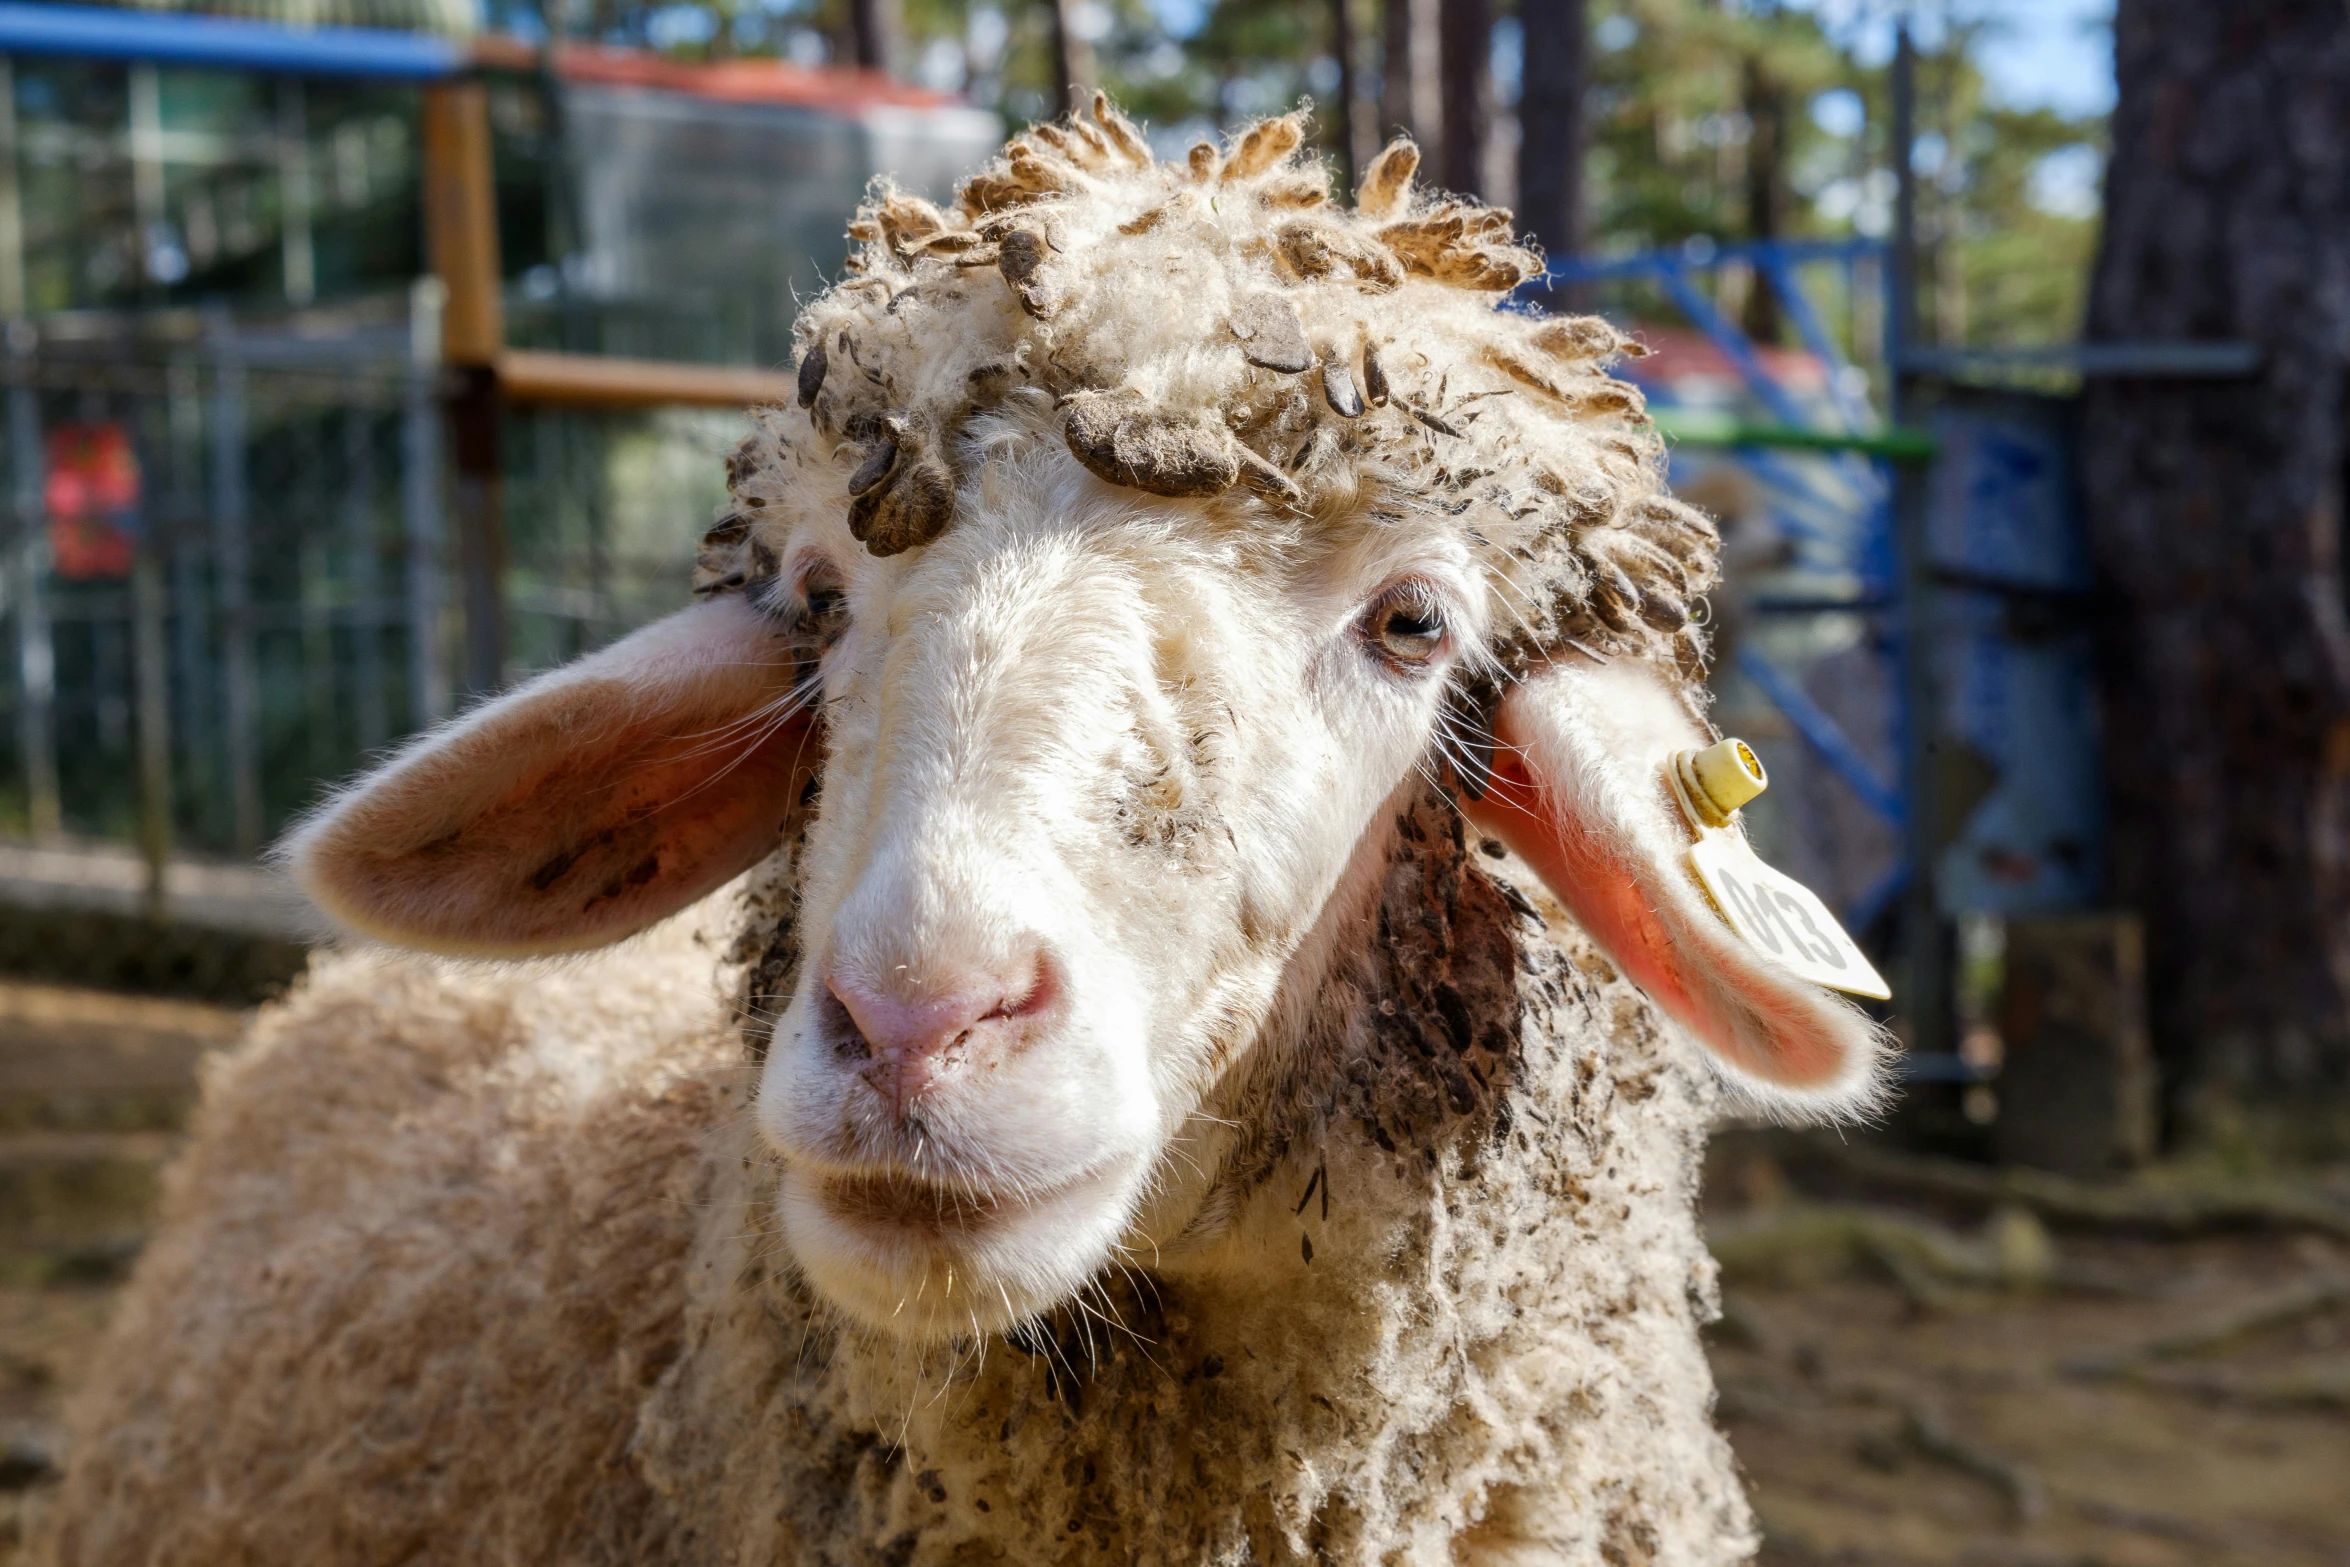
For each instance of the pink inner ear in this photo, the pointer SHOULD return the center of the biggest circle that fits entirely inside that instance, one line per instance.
(1577, 794)
(1596, 886)
(580, 809)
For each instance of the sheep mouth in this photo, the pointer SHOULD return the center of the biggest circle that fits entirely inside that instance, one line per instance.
(926, 1259)
(908, 1204)
(896, 1200)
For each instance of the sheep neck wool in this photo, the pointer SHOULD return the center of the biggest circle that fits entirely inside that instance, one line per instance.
(524, 1299)
(478, 1265)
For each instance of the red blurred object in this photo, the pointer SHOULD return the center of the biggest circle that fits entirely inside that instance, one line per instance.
(92, 497)
(740, 80)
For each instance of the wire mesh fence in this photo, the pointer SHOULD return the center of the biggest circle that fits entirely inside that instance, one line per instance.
(229, 575)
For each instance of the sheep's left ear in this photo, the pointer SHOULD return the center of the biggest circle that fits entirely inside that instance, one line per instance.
(1579, 791)
(579, 808)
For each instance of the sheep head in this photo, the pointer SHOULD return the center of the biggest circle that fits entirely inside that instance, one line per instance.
(1140, 536)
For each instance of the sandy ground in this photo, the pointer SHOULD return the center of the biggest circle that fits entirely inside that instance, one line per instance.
(2016, 1426)
(1906, 1382)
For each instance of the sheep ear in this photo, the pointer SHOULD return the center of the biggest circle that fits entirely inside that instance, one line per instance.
(581, 807)
(1579, 792)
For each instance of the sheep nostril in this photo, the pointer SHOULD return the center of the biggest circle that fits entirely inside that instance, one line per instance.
(1043, 990)
(840, 1028)
(905, 1038)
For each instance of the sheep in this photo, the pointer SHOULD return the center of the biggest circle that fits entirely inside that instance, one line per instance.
(1120, 988)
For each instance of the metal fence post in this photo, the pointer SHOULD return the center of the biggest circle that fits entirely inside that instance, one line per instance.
(298, 262)
(36, 651)
(368, 711)
(154, 724)
(232, 584)
(184, 386)
(12, 293)
(420, 508)
(1926, 995)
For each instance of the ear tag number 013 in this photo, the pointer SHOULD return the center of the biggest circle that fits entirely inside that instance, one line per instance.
(1774, 913)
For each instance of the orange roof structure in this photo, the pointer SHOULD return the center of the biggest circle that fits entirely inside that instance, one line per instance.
(841, 89)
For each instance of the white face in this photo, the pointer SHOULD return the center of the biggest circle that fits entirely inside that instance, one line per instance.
(1095, 767)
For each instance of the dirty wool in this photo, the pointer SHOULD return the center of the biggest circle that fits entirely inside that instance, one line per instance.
(475, 1263)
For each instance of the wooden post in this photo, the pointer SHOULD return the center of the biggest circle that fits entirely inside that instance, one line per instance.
(462, 221)
(2076, 1080)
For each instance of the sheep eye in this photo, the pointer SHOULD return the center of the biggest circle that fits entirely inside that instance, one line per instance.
(824, 603)
(1406, 625)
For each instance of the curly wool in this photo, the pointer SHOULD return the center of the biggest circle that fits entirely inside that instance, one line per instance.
(1218, 331)
(481, 1266)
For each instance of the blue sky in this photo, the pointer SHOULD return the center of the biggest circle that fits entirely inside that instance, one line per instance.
(2052, 53)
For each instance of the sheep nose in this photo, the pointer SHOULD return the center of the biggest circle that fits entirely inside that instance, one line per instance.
(911, 1041)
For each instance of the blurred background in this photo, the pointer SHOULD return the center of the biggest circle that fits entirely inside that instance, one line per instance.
(360, 357)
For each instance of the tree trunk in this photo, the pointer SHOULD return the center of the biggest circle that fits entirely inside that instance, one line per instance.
(874, 26)
(1073, 67)
(1468, 93)
(1766, 189)
(1356, 134)
(1550, 125)
(1410, 86)
(2216, 516)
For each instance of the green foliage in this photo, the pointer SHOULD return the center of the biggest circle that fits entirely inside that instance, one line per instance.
(1676, 90)
(1673, 82)
(1733, 119)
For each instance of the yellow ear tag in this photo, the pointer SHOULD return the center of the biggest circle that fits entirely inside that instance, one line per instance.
(1776, 914)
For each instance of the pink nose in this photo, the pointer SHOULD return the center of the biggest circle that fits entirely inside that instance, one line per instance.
(910, 1042)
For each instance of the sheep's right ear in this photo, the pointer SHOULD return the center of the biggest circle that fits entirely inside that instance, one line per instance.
(1578, 791)
(581, 807)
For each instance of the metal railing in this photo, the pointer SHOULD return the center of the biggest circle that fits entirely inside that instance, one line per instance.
(228, 572)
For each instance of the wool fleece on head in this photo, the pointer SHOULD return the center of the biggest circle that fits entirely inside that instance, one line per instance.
(1133, 992)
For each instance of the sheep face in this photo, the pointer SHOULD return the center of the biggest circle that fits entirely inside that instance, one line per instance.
(1136, 531)
(1096, 764)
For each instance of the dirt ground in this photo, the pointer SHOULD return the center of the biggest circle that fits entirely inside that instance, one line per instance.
(1916, 1370)
(1905, 1387)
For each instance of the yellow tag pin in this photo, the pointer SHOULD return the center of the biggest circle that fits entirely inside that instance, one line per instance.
(1774, 913)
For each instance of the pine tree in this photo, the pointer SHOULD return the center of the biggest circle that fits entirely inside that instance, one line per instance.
(2216, 509)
